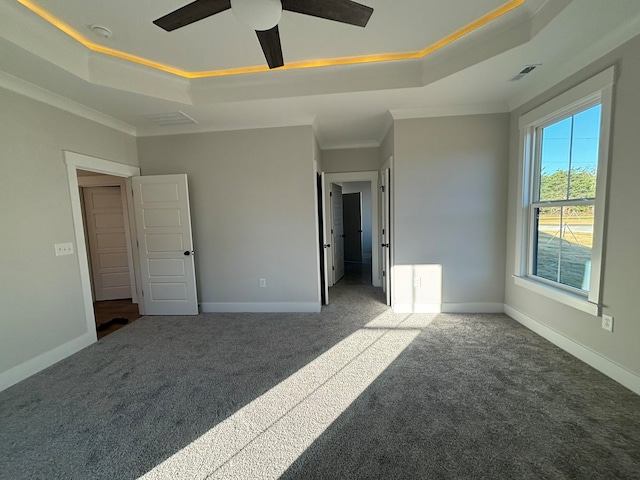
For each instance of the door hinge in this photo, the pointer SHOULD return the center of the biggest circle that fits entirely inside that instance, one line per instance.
(332, 231)
(382, 188)
(142, 292)
(333, 268)
(137, 243)
(331, 194)
(383, 273)
(383, 231)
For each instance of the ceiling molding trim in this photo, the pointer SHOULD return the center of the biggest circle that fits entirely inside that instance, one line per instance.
(447, 40)
(348, 146)
(21, 87)
(551, 75)
(449, 111)
(30, 33)
(157, 131)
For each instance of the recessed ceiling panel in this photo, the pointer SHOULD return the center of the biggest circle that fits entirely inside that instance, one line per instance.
(221, 42)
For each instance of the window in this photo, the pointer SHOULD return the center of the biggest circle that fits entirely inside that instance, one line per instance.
(564, 168)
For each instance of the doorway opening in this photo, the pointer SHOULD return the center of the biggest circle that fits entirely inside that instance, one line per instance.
(356, 214)
(350, 230)
(103, 202)
(120, 174)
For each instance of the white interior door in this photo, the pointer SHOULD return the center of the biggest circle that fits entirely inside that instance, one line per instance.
(386, 233)
(163, 223)
(337, 232)
(105, 222)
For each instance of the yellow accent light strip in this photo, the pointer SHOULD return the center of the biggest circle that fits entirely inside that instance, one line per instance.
(476, 24)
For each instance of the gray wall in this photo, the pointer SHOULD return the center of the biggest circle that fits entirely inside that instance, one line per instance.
(253, 210)
(351, 160)
(40, 295)
(365, 189)
(449, 192)
(621, 252)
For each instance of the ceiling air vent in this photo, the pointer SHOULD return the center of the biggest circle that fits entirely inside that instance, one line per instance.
(527, 69)
(171, 118)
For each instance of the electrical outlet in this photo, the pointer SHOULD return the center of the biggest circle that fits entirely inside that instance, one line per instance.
(263, 282)
(607, 322)
(63, 249)
(417, 281)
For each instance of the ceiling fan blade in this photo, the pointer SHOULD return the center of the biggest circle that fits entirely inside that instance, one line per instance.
(270, 43)
(344, 11)
(192, 13)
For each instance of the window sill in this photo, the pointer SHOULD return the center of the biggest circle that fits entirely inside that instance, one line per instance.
(558, 295)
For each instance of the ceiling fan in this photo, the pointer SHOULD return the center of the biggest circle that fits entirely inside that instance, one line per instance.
(263, 16)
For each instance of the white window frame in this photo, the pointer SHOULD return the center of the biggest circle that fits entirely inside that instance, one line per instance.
(596, 90)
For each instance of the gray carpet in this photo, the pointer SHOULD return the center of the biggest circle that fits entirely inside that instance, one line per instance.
(473, 396)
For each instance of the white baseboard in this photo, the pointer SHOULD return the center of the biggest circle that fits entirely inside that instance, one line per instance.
(417, 307)
(476, 307)
(590, 357)
(488, 307)
(35, 365)
(268, 307)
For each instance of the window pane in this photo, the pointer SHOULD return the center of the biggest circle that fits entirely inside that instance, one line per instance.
(554, 160)
(584, 153)
(562, 245)
(547, 243)
(577, 240)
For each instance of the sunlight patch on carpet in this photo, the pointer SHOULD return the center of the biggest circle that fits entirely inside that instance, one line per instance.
(262, 439)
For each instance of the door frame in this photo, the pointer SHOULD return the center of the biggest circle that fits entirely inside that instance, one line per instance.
(77, 161)
(389, 164)
(373, 178)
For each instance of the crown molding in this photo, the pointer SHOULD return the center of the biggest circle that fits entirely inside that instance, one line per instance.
(21, 87)
(157, 131)
(560, 71)
(449, 111)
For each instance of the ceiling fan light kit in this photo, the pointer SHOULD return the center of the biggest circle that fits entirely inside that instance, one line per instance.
(260, 15)
(264, 15)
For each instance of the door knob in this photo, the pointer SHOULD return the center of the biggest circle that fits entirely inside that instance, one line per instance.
(189, 252)
(327, 245)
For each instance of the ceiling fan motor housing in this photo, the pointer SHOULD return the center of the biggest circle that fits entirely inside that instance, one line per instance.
(260, 15)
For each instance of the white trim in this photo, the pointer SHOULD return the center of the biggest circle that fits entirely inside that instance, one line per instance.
(471, 307)
(344, 146)
(40, 94)
(594, 90)
(93, 164)
(75, 161)
(449, 111)
(261, 307)
(599, 231)
(45, 360)
(582, 94)
(568, 66)
(594, 359)
(561, 296)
